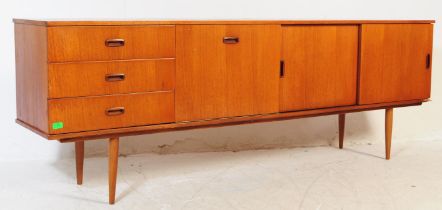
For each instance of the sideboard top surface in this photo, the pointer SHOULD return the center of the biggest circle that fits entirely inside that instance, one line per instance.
(68, 22)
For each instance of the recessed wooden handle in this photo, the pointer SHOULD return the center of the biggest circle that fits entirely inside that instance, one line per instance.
(114, 77)
(230, 40)
(114, 111)
(428, 61)
(114, 42)
(281, 68)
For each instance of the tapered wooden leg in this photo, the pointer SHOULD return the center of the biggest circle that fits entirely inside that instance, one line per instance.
(341, 130)
(388, 131)
(113, 166)
(79, 159)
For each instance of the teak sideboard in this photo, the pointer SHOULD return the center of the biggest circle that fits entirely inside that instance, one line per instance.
(83, 80)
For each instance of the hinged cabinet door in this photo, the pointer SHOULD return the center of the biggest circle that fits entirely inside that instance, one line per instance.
(395, 62)
(226, 70)
(320, 67)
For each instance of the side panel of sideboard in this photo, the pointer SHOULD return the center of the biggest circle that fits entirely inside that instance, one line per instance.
(31, 75)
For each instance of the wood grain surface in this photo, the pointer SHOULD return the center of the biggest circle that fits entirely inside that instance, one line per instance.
(89, 113)
(393, 62)
(79, 43)
(31, 75)
(320, 67)
(139, 76)
(214, 79)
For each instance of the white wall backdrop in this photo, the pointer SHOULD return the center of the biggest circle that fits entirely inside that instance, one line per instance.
(411, 124)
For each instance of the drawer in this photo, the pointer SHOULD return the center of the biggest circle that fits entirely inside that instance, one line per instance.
(99, 43)
(104, 112)
(104, 78)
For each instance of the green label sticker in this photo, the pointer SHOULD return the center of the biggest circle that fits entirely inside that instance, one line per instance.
(57, 125)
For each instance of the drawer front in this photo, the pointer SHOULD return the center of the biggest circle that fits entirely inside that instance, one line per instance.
(110, 43)
(104, 78)
(104, 112)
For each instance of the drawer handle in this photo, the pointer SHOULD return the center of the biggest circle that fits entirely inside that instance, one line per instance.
(230, 40)
(114, 77)
(115, 111)
(114, 42)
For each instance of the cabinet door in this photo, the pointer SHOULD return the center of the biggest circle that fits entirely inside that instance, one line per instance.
(395, 62)
(221, 77)
(320, 67)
